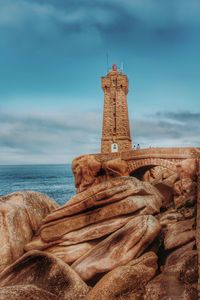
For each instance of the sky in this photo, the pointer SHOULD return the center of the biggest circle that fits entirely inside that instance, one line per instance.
(53, 54)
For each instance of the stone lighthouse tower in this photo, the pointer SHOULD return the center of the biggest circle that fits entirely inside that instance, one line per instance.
(116, 131)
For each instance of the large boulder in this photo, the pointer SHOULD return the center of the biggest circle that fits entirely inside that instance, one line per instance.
(21, 214)
(159, 174)
(85, 169)
(172, 216)
(178, 279)
(178, 227)
(87, 233)
(44, 275)
(24, 292)
(179, 233)
(127, 281)
(71, 253)
(115, 168)
(187, 168)
(89, 171)
(119, 248)
(91, 216)
(134, 204)
(185, 192)
(107, 200)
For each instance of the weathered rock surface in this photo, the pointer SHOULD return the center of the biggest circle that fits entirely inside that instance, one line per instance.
(85, 169)
(178, 279)
(187, 168)
(159, 174)
(42, 274)
(175, 259)
(71, 253)
(178, 229)
(103, 231)
(114, 198)
(163, 179)
(119, 248)
(21, 214)
(127, 281)
(185, 192)
(179, 233)
(25, 292)
(88, 233)
(133, 204)
(88, 171)
(172, 216)
(115, 168)
(90, 217)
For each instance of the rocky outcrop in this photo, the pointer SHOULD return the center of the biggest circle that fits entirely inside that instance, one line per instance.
(187, 168)
(172, 216)
(110, 199)
(185, 191)
(111, 234)
(159, 174)
(85, 169)
(179, 233)
(25, 292)
(127, 281)
(133, 204)
(71, 253)
(88, 233)
(111, 222)
(44, 275)
(178, 279)
(88, 171)
(119, 248)
(115, 168)
(21, 214)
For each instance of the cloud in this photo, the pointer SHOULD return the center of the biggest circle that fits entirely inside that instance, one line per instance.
(45, 16)
(184, 116)
(46, 37)
(180, 129)
(58, 138)
(159, 19)
(53, 138)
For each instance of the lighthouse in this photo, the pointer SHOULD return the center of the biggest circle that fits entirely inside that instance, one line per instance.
(116, 130)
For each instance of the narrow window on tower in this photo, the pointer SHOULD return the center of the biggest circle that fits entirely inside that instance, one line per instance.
(114, 116)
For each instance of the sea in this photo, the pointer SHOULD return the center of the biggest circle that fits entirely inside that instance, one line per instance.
(56, 181)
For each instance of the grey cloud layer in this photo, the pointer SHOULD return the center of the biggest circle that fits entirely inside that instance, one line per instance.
(46, 43)
(188, 117)
(37, 138)
(169, 129)
(101, 19)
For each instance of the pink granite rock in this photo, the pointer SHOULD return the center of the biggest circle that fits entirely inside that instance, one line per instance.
(179, 233)
(119, 248)
(178, 279)
(21, 214)
(43, 274)
(127, 281)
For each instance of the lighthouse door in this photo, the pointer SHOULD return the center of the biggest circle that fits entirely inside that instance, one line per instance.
(114, 147)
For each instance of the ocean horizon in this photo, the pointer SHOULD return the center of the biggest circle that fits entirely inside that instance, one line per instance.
(54, 180)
